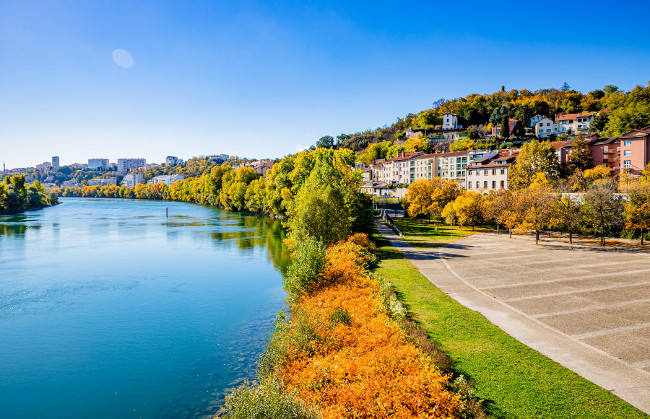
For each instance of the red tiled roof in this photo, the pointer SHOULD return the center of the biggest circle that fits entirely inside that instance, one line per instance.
(565, 117)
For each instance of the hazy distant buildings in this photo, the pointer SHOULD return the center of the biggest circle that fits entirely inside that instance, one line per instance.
(130, 164)
(173, 161)
(168, 179)
(102, 182)
(219, 158)
(131, 180)
(98, 164)
(44, 167)
(55, 162)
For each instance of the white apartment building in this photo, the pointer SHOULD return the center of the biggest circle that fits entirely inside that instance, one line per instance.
(98, 164)
(449, 121)
(545, 127)
(55, 162)
(131, 180)
(130, 164)
(535, 119)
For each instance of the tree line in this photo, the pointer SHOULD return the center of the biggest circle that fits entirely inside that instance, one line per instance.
(599, 209)
(17, 196)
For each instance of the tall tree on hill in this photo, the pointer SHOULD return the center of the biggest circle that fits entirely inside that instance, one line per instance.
(519, 131)
(325, 142)
(505, 127)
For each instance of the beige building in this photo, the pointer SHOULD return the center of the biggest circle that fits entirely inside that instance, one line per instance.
(490, 174)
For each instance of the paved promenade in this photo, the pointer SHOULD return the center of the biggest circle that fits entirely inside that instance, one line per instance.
(586, 308)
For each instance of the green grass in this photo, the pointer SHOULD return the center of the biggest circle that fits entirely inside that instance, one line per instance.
(424, 234)
(512, 379)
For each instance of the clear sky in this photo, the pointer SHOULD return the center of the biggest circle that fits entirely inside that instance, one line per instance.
(84, 79)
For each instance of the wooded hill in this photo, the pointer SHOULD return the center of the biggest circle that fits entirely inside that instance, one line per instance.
(630, 110)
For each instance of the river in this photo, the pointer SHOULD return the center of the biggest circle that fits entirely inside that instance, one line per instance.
(111, 309)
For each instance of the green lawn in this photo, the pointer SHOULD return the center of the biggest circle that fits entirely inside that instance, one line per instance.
(514, 380)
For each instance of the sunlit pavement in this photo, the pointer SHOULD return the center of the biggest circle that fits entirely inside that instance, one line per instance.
(585, 307)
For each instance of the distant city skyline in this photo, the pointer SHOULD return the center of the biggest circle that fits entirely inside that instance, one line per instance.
(253, 79)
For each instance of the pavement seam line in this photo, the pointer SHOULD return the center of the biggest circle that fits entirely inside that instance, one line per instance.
(558, 294)
(592, 308)
(604, 332)
(553, 281)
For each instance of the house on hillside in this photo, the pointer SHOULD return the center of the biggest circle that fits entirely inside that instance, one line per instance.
(545, 127)
(575, 123)
(634, 153)
(449, 121)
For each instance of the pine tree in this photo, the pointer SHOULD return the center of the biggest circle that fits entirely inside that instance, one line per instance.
(505, 127)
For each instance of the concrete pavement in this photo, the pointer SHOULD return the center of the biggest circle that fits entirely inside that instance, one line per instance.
(587, 309)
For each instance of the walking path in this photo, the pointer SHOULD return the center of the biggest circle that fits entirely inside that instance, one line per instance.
(588, 310)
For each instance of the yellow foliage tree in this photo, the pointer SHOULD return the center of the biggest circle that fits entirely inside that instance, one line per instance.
(598, 172)
(469, 209)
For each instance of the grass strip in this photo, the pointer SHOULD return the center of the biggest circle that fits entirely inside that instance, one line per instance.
(512, 379)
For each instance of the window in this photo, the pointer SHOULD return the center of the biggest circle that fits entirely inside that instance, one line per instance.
(469, 185)
(503, 172)
(486, 172)
(485, 184)
(478, 184)
(627, 152)
(503, 184)
(627, 164)
(469, 172)
(494, 184)
(627, 142)
(494, 171)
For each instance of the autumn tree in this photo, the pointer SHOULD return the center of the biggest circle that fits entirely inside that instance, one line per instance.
(637, 209)
(497, 206)
(534, 157)
(567, 215)
(419, 198)
(602, 207)
(469, 209)
(535, 207)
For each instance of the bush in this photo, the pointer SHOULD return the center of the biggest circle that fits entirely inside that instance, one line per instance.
(306, 268)
(265, 400)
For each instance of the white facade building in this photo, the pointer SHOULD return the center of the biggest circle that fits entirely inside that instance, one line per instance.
(535, 119)
(130, 164)
(545, 127)
(55, 162)
(490, 173)
(168, 179)
(449, 121)
(98, 164)
(575, 122)
(172, 161)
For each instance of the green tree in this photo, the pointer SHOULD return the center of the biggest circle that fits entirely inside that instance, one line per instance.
(325, 142)
(534, 157)
(519, 131)
(637, 208)
(579, 159)
(505, 127)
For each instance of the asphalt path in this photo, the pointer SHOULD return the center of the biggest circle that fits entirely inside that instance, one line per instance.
(585, 307)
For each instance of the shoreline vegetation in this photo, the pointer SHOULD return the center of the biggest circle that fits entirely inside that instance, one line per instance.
(344, 348)
(16, 196)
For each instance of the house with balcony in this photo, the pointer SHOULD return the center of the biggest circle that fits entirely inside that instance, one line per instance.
(545, 127)
(634, 153)
(575, 123)
(605, 152)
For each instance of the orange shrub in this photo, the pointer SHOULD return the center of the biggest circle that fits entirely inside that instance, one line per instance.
(366, 367)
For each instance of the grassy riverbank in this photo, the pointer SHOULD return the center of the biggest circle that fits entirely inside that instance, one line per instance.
(514, 380)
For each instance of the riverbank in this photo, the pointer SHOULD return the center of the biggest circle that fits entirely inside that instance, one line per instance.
(512, 379)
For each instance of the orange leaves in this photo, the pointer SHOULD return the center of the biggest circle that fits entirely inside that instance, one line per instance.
(366, 368)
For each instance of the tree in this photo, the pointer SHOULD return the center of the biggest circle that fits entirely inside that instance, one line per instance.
(565, 87)
(579, 159)
(519, 131)
(497, 206)
(567, 215)
(534, 157)
(325, 142)
(600, 122)
(534, 205)
(602, 208)
(462, 144)
(609, 89)
(449, 215)
(417, 144)
(497, 114)
(637, 209)
(469, 209)
(419, 199)
(505, 127)
(629, 117)
(597, 173)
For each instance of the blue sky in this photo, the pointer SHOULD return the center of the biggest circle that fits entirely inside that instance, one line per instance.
(261, 79)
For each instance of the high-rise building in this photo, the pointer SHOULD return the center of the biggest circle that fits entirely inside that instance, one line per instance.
(55, 162)
(131, 180)
(129, 164)
(98, 164)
